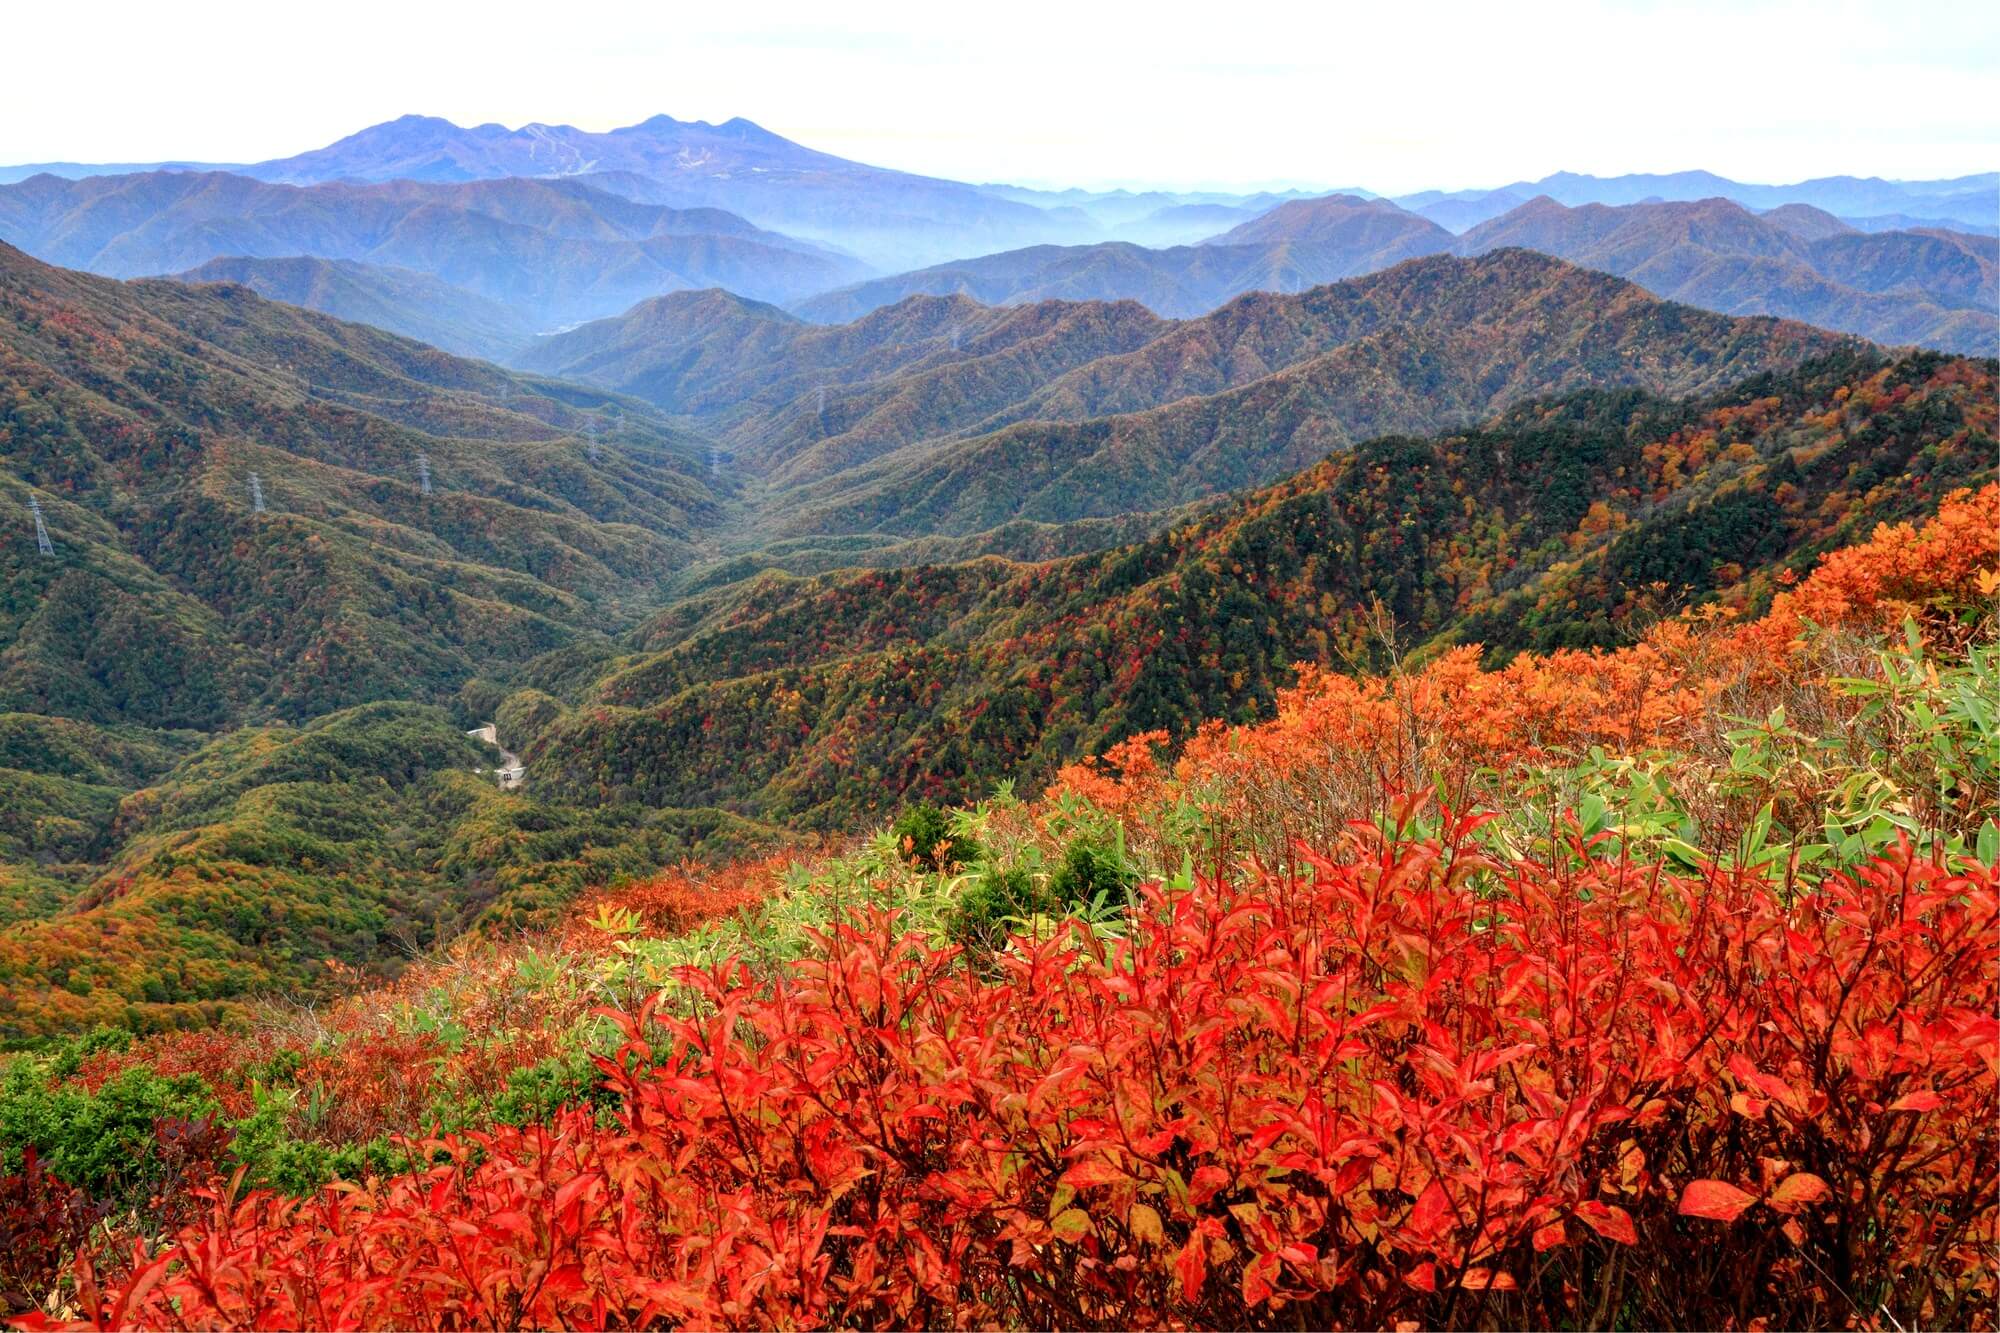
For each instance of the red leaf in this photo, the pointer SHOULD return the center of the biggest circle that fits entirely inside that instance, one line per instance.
(1715, 1199)
(1191, 1266)
(1917, 1101)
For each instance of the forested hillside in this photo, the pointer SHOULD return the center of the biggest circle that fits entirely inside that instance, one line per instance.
(136, 415)
(1565, 522)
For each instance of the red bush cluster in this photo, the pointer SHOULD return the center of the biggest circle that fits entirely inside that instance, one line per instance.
(1408, 1084)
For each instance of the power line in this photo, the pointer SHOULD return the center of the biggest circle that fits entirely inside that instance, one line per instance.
(42, 542)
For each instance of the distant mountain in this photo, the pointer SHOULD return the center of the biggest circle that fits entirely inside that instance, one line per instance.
(1294, 246)
(1806, 222)
(400, 300)
(1457, 215)
(1936, 288)
(1904, 222)
(1973, 197)
(1564, 522)
(1122, 209)
(554, 251)
(1184, 224)
(883, 215)
(183, 593)
(1182, 281)
(1268, 383)
(1365, 234)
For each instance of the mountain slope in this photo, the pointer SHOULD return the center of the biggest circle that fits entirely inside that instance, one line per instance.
(137, 414)
(402, 301)
(554, 251)
(1563, 522)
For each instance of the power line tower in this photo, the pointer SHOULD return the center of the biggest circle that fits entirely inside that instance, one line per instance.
(42, 542)
(424, 472)
(256, 494)
(954, 337)
(590, 450)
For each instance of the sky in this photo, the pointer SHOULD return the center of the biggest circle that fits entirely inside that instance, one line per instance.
(1389, 97)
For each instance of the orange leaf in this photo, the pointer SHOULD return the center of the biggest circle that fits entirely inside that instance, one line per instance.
(1715, 1199)
(1609, 1222)
(1917, 1101)
(1797, 1190)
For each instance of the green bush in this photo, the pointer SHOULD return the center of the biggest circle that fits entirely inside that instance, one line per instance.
(534, 1094)
(924, 832)
(102, 1141)
(990, 900)
(1090, 870)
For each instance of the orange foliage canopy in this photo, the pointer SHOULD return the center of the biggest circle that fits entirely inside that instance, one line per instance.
(1450, 717)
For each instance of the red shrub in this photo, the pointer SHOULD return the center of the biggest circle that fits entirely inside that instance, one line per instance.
(1410, 1084)
(42, 1221)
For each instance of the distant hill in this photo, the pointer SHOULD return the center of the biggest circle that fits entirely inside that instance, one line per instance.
(1268, 383)
(554, 251)
(799, 399)
(1566, 522)
(1935, 288)
(400, 300)
(140, 412)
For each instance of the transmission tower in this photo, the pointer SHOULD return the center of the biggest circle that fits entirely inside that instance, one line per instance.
(954, 337)
(256, 494)
(590, 450)
(42, 542)
(424, 472)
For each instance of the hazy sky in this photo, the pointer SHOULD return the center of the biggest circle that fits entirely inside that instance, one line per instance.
(1389, 96)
